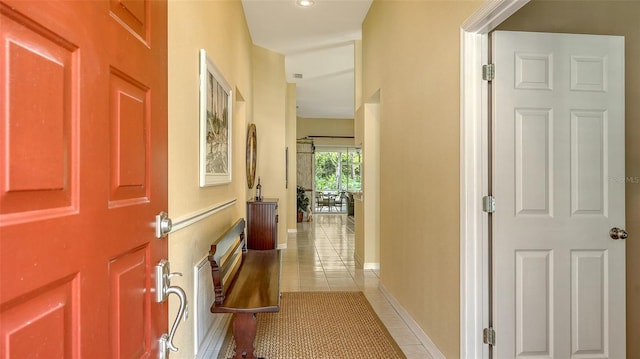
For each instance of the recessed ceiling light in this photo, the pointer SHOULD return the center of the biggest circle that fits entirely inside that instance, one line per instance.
(305, 3)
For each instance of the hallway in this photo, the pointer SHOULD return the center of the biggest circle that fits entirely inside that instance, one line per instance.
(320, 257)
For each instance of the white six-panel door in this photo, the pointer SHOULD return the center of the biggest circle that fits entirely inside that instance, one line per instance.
(558, 180)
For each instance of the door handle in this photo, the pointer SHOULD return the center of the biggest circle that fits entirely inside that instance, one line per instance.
(163, 290)
(167, 340)
(618, 233)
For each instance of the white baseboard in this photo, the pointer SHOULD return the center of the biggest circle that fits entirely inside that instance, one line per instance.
(282, 246)
(413, 325)
(292, 230)
(372, 266)
(366, 265)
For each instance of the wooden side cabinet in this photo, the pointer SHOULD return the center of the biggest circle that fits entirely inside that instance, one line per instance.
(262, 224)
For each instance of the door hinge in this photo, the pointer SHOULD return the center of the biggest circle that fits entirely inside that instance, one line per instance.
(488, 72)
(489, 204)
(489, 336)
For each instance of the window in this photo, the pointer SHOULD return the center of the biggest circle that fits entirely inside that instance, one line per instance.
(338, 169)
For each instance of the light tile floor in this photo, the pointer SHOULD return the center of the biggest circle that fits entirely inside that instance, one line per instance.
(320, 256)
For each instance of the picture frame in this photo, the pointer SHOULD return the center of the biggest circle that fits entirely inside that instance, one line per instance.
(215, 124)
(252, 149)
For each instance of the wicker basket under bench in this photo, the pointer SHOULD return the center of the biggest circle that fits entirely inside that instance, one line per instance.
(246, 282)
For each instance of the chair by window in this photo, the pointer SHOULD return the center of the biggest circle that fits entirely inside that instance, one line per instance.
(320, 201)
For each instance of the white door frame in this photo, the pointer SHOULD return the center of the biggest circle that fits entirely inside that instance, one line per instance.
(474, 172)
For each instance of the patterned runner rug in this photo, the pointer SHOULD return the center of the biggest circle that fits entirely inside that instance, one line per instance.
(321, 325)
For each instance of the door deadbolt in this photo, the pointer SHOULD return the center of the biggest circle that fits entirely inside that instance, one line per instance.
(163, 225)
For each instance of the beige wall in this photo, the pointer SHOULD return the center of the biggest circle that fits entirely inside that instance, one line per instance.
(371, 183)
(257, 78)
(326, 127)
(291, 145)
(367, 203)
(606, 18)
(358, 206)
(270, 99)
(357, 72)
(411, 54)
(191, 25)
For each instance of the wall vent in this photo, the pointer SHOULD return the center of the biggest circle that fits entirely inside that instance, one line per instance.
(297, 76)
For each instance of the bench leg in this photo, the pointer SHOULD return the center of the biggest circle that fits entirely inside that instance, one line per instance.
(244, 332)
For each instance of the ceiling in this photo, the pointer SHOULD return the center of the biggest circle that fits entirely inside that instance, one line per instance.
(318, 45)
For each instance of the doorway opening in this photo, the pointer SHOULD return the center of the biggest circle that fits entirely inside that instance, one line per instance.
(337, 175)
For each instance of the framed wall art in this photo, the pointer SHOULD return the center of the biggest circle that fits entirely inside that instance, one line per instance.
(215, 124)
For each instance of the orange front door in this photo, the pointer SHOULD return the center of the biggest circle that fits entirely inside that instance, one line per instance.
(83, 172)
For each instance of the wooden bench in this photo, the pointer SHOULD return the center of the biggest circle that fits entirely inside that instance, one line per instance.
(245, 282)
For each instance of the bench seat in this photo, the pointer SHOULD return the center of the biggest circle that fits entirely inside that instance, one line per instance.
(256, 287)
(245, 282)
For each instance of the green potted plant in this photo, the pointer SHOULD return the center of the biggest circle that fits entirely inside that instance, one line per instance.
(303, 202)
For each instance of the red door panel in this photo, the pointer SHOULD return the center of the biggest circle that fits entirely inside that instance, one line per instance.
(129, 140)
(83, 172)
(129, 310)
(38, 161)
